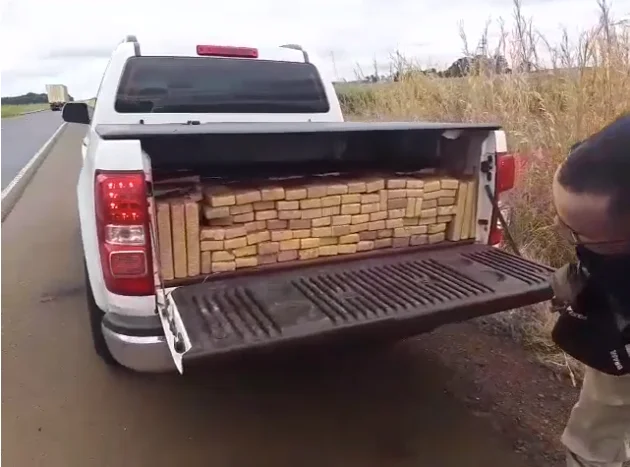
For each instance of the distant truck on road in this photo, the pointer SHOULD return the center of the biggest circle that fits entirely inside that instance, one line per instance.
(57, 96)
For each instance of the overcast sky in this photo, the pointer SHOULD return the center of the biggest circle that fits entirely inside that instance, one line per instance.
(69, 41)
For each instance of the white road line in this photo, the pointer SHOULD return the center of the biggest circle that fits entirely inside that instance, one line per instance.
(11, 194)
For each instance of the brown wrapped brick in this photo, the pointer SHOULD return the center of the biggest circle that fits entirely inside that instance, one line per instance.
(178, 226)
(206, 262)
(387, 233)
(356, 187)
(396, 213)
(384, 197)
(328, 201)
(281, 235)
(295, 224)
(234, 243)
(468, 210)
(311, 203)
(396, 183)
(351, 199)
(416, 240)
(264, 206)
(378, 216)
(356, 228)
(322, 232)
(246, 262)
(254, 226)
(351, 238)
(450, 201)
(418, 229)
(365, 245)
(223, 266)
(449, 184)
(360, 219)
(192, 238)
(219, 200)
(272, 193)
(316, 191)
(446, 210)
(330, 250)
(165, 240)
(409, 221)
(331, 211)
(400, 242)
(295, 194)
(402, 232)
(211, 245)
(248, 197)
(302, 233)
(383, 243)
(268, 248)
(415, 184)
(219, 256)
(370, 208)
(415, 193)
(216, 213)
(233, 232)
(372, 186)
(209, 233)
(426, 213)
(400, 203)
(410, 210)
(287, 205)
(245, 251)
(339, 230)
(376, 225)
(327, 241)
(436, 238)
(289, 215)
(429, 204)
(347, 249)
(351, 209)
(268, 259)
(312, 213)
(321, 221)
(266, 215)
(367, 235)
(396, 194)
(243, 218)
(288, 255)
(259, 237)
(221, 222)
(337, 189)
(308, 243)
(310, 253)
(373, 198)
(276, 224)
(241, 209)
(431, 186)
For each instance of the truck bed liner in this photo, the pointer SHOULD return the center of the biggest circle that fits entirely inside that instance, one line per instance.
(400, 294)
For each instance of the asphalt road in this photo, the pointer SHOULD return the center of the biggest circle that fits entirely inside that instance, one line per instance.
(61, 407)
(22, 137)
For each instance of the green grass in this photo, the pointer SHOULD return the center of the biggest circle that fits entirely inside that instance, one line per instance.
(15, 110)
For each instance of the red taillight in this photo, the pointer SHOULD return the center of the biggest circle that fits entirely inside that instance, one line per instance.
(226, 51)
(122, 216)
(505, 180)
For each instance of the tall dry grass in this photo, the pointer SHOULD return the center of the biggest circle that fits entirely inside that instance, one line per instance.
(556, 95)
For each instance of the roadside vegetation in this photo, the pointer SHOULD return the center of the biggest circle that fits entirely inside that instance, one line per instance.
(553, 96)
(11, 110)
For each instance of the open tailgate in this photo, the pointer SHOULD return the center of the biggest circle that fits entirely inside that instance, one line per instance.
(397, 295)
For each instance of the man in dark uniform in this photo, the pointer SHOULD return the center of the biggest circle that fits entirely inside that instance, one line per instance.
(591, 194)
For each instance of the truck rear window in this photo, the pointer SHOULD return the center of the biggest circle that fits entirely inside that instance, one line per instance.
(219, 85)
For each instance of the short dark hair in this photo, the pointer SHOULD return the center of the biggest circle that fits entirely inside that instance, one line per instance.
(600, 165)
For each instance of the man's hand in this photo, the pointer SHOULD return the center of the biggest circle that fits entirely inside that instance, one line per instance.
(567, 283)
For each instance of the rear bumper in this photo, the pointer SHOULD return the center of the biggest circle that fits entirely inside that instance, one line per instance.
(137, 343)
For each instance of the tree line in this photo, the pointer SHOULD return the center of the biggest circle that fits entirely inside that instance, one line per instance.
(28, 98)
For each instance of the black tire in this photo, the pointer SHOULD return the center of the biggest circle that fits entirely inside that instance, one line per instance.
(96, 319)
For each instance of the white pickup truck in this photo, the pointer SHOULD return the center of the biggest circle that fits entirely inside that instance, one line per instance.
(300, 229)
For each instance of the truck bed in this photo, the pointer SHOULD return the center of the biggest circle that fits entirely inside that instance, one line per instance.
(397, 295)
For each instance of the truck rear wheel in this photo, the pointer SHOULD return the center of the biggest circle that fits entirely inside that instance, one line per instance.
(96, 319)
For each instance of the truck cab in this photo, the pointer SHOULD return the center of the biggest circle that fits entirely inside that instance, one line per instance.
(225, 206)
